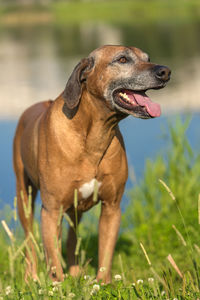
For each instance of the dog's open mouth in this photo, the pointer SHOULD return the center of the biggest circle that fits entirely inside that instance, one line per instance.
(137, 102)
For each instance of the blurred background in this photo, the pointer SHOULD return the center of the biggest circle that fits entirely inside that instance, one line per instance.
(42, 40)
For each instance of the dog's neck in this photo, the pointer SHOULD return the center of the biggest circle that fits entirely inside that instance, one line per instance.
(94, 125)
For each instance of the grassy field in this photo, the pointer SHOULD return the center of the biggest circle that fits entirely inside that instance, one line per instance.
(120, 12)
(158, 251)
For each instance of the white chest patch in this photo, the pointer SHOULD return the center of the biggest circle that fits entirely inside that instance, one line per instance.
(87, 188)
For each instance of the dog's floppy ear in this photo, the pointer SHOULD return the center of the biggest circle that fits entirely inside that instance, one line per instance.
(73, 89)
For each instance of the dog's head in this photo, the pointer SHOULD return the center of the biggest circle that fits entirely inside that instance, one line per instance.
(120, 76)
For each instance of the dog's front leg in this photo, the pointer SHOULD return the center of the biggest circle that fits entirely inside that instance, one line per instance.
(71, 244)
(51, 230)
(108, 230)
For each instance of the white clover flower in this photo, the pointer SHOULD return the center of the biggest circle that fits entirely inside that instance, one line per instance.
(92, 292)
(133, 284)
(55, 289)
(151, 279)
(96, 287)
(163, 293)
(175, 298)
(40, 291)
(86, 277)
(55, 283)
(8, 290)
(102, 269)
(50, 293)
(118, 277)
(71, 295)
(1, 298)
(140, 281)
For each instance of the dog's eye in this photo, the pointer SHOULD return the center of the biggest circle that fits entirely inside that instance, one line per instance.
(123, 60)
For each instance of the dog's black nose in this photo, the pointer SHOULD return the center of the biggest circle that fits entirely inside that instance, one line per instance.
(162, 73)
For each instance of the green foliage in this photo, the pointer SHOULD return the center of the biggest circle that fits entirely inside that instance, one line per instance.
(165, 219)
(150, 203)
(126, 11)
(159, 235)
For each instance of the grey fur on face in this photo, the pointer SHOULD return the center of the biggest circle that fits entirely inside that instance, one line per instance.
(140, 82)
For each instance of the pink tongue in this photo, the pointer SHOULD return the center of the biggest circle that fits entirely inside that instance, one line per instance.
(143, 100)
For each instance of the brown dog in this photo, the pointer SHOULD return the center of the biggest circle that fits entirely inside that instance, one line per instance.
(74, 143)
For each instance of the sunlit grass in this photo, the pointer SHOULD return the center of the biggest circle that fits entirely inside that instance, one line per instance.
(158, 252)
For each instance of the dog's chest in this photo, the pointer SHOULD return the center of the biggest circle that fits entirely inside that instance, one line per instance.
(89, 194)
(88, 188)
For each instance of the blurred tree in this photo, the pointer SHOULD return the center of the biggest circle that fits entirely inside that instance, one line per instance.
(25, 2)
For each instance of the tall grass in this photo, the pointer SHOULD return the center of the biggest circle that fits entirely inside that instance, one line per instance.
(158, 252)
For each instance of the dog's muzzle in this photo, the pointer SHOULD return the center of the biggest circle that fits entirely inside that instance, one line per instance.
(132, 99)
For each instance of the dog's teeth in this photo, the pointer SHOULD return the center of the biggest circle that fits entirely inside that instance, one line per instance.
(125, 96)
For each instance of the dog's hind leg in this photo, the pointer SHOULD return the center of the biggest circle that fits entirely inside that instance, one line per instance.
(26, 194)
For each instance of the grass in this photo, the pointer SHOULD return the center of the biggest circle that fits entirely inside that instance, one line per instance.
(120, 12)
(158, 251)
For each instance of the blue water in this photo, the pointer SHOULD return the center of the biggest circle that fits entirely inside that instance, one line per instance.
(143, 139)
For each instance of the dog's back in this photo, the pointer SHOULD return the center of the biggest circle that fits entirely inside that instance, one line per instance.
(27, 129)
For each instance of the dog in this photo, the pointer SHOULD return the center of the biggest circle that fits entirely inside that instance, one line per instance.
(74, 143)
